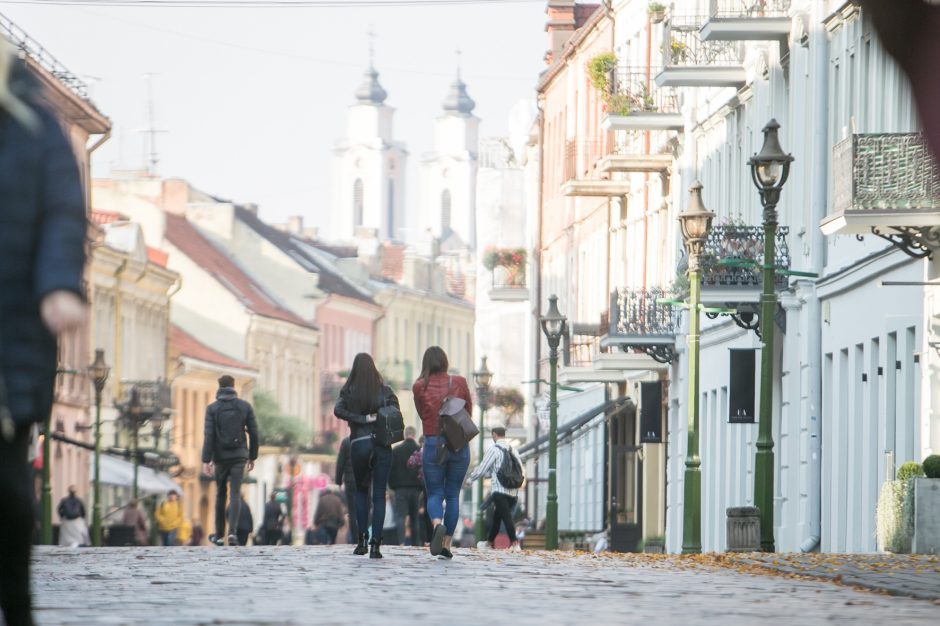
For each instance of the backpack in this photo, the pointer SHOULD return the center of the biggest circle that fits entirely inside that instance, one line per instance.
(510, 473)
(230, 425)
(72, 508)
(456, 425)
(389, 425)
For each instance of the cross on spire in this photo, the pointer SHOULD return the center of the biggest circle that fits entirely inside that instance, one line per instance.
(371, 35)
(459, 53)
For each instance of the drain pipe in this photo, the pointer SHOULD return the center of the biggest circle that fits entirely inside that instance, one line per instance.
(817, 241)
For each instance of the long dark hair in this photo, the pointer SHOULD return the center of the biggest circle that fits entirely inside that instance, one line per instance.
(434, 362)
(363, 385)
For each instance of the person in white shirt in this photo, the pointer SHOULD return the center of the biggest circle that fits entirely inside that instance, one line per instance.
(504, 498)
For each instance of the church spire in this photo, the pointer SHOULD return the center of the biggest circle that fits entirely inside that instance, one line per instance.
(457, 100)
(370, 91)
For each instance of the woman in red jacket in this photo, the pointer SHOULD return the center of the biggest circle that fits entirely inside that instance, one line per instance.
(444, 471)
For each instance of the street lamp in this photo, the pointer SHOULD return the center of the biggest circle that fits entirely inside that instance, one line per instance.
(769, 170)
(133, 411)
(695, 223)
(481, 378)
(554, 325)
(98, 372)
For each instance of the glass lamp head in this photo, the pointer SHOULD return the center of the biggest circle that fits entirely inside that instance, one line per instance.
(771, 166)
(554, 324)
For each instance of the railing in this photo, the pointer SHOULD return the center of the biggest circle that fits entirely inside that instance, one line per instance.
(633, 91)
(741, 243)
(683, 46)
(582, 154)
(884, 171)
(583, 344)
(749, 8)
(31, 48)
(153, 397)
(508, 277)
(640, 312)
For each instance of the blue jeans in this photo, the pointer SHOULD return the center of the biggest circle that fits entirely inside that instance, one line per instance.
(444, 481)
(370, 461)
(168, 538)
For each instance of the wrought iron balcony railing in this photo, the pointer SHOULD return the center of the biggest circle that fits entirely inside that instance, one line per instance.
(749, 8)
(734, 255)
(508, 277)
(32, 49)
(582, 154)
(641, 319)
(632, 91)
(683, 46)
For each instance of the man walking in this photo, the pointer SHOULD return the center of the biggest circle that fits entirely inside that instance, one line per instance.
(227, 447)
(405, 482)
(73, 529)
(504, 496)
(329, 517)
(271, 523)
(346, 479)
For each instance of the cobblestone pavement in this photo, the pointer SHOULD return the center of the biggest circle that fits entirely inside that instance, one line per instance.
(328, 585)
(914, 575)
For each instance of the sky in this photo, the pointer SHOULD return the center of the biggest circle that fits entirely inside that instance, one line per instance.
(252, 100)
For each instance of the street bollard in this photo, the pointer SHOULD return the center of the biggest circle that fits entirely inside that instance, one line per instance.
(743, 529)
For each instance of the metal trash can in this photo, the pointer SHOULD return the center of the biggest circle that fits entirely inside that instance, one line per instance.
(743, 529)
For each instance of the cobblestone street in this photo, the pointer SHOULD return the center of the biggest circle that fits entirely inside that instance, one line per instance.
(328, 585)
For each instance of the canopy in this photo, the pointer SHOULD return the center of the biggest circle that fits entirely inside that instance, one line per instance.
(120, 473)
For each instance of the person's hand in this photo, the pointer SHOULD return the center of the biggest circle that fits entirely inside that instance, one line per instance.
(207, 468)
(371, 417)
(250, 466)
(61, 311)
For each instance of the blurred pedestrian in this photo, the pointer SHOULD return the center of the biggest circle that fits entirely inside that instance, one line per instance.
(406, 481)
(346, 479)
(245, 523)
(73, 526)
(225, 445)
(329, 517)
(169, 516)
(271, 522)
(198, 535)
(42, 236)
(359, 401)
(136, 519)
(503, 467)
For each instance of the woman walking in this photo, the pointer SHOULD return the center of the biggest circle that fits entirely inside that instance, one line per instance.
(360, 399)
(444, 471)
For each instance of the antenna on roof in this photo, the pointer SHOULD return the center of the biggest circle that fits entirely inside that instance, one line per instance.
(151, 131)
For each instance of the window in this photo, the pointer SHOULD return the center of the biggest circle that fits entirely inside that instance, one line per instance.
(445, 212)
(357, 203)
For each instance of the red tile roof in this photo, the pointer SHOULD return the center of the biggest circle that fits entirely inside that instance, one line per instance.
(184, 236)
(157, 257)
(184, 344)
(105, 217)
(393, 261)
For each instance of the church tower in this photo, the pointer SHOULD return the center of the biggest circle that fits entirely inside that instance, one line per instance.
(449, 173)
(369, 167)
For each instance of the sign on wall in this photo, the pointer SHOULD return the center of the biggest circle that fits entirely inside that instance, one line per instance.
(741, 391)
(651, 412)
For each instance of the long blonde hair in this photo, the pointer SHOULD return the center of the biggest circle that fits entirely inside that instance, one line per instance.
(16, 108)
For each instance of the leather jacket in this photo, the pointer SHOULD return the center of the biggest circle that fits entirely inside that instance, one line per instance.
(358, 424)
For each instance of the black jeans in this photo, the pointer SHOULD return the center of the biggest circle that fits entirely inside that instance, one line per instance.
(228, 473)
(504, 506)
(370, 461)
(407, 502)
(16, 528)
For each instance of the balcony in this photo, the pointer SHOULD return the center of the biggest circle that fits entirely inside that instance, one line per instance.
(889, 185)
(581, 174)
(637, 104)
(640, 323)
(747, 20)
(690, 61)
(508, 284)
(731, 264)
(581, 348)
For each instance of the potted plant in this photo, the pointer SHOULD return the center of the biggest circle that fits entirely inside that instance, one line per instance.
(678, 51)
(894, 526)
(511, 260)
(925, 502)
(657, 12)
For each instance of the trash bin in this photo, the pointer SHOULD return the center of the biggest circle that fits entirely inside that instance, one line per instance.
(743, 529)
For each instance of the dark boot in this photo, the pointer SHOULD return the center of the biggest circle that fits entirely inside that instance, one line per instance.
(374, 552)
(361, 546)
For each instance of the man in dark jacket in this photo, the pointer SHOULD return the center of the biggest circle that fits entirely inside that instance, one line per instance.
(225, 446)
(246, 521)
(346, 479)
(271, 524)
(407, 485)
(328, 517)
(42, 236)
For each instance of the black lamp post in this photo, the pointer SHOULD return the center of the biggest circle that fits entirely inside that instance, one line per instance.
(98, 372)
(481, 379)
(133, 415)
(694, 222)
(769, 170)
(555, 326)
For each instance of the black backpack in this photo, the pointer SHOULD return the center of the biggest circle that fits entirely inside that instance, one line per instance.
(230, 425)
(389, 425)
(510, 473)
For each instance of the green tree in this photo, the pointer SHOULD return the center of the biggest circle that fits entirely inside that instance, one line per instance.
(275, 428)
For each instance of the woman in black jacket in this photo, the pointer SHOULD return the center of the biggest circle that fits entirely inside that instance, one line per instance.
(364, 393)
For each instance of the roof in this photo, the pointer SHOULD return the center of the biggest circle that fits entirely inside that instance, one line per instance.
(157, 257)
(592, 14)
(193, 244)
(331, 281)
(185, 344)
(101, 218)
(393, 261)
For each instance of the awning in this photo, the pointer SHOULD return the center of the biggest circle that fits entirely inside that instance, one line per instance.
(534, 447)
(120, 473)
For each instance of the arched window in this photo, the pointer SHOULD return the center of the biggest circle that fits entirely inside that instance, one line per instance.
(357, 202)
(445, 213)
(391, 209)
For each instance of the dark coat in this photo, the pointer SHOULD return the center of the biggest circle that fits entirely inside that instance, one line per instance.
(42, 236)
(211, 451)
(344, 466)
(401, 476)
(358, 426)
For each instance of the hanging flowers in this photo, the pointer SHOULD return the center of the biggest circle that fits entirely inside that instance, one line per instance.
(511, 260)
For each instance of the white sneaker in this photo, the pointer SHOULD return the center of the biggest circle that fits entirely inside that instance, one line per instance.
(515, 548)
(484, 545)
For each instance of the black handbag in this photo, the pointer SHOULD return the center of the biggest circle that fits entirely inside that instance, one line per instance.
(389, 425)
(456, 424)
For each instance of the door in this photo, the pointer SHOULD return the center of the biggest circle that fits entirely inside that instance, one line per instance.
(625, 506)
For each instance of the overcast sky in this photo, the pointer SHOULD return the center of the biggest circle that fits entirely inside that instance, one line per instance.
(253, 99)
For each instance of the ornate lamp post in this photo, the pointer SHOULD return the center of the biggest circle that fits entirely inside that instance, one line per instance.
(481, 378)
(769, 170)
(133, 415)
(554, 325)
(695, 223)
(98, 372)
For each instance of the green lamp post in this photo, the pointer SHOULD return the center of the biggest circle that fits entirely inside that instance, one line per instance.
(554, 325)
(694, 223)
(769, 170)
(481, 378)
(98, 372)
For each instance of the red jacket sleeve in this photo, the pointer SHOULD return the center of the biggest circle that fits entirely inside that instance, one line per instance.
(464, 392)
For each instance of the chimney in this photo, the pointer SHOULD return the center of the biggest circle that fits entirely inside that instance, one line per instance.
(311, 232)
(560, 26)
(295, 224)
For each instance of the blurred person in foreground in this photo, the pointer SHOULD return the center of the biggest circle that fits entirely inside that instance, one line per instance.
(42, 235)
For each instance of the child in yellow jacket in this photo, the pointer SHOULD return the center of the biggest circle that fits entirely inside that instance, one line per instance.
(169, 517)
